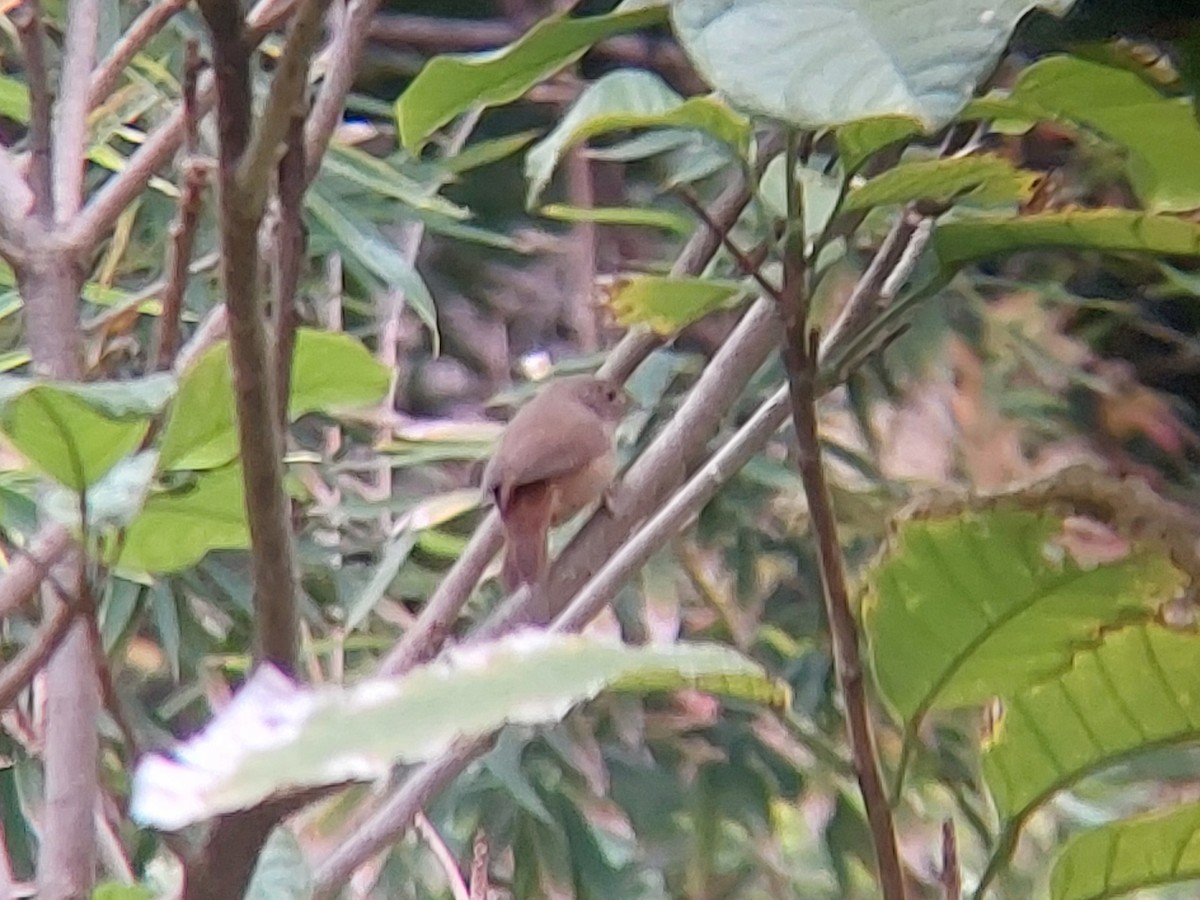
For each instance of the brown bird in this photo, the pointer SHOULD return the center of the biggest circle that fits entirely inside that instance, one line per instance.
(555, 457)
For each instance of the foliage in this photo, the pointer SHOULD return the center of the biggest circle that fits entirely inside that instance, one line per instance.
(1029, 650)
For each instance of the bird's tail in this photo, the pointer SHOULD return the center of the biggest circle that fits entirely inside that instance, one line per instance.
(526, 523)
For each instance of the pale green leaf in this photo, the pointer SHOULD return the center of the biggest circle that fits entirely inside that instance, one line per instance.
(975, 180)
(815, 63)
(858, 141)
(528, 678)
(628, 99)
(643, 216)
(450, 85)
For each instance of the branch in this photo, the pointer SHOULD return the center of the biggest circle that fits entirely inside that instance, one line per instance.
(287, 88)
(950, 874)
(260, 436)
(71, 111)
(137, 35)
(183, 229)
(343, 56)
(425, 638)
(800, 356)
(290, 256)
(19, 671)
(31, 567)
(28, 19)
(444, 856)
(16, 199)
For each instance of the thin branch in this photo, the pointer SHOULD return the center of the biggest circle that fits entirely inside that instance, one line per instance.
(71, 110)
(28, 19)
(136, 36)
(444, 856)
(800, 356)
(426, 637)
(259, 432)
(31, 567)
(19, 671)
(745, 263)
(290, 256)
(287, 89)
(480, 888)
(183, 229)
(343, 56)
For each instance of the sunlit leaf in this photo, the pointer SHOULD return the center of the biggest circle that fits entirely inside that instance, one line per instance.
(826, 62)
(330, 373)
(668, 304)
(450, 85)
(1138, 689)
(974, 180)
(77, 432)
(182, 522)
(1122, 857)
(858, 141)
(529, 678)
(642, 216)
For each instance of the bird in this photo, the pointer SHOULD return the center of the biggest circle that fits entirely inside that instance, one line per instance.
(554, 458)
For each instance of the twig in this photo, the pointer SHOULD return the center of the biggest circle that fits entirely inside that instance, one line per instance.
(31, 566)
(424, 639)
(747, 265)
(259, 432)
(480, 888)
(800, 356)
(183, 229)
(28, 19)
(444, 856)
(71, 111)
(287, 88)
(19, 671)
(131, 42)
(290, 258)
(950, 875)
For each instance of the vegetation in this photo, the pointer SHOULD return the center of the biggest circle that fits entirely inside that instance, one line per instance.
(266, 271)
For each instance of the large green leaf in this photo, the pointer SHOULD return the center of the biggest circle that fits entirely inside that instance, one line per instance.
(330, 373)
(668, 304)
(1121, 857)
(964, 608)
(1160, 133)
(976, 180)
(628, 99)
(528, 678)
(450, 85)
(858, 141)
(1139, 690)
(826, 62)
(179, 524)
(77, 432)
(965, 240)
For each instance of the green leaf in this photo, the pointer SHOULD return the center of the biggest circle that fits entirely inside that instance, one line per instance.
(113, 890)
(827, 62)
(961, 241)
(859, 141)
(668, 304)
(977, 180)
(527, 678)
(1122, 857)
(281, 872)
(820, 193)
(14, 99)
(627, 99)
(77, 432)
(484, 153)
(449, 85)
(363, 242)
(624, 215)
(1160, 133)
(380, 178)
(1139, 690)
(114, 500)
(178, 525)
(330, 373)
(965, 608)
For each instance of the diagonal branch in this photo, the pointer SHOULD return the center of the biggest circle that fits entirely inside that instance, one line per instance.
(19, 671)
(136, 36)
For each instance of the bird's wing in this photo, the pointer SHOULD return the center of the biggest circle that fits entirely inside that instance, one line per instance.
(570, 439)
